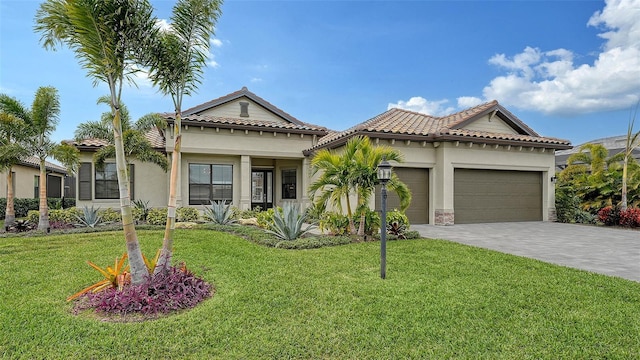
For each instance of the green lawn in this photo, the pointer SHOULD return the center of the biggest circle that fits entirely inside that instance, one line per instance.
(440, 300)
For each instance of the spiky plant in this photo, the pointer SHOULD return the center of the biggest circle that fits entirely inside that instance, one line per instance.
(219, 213)
(90, 217)
(288, 223)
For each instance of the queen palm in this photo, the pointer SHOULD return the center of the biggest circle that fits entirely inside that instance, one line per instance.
(107, 37)
(352, 172)
(136, 145)
(13, 133)
(176, 67)
(42, 123)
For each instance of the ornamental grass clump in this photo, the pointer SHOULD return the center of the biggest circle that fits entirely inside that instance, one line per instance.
(163, 293)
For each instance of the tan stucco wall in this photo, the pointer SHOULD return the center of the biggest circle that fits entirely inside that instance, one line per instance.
(150, 184)
(24, 182)
(491, 124)
(232, 110)
(202, 140)
(443, 158)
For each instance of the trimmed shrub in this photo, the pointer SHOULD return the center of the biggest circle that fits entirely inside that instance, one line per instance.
(371, 221)
(334, 223)
(110, 215)
(609, 216)
(630, 217)
(185, 214)
(265, 218)
(157, 216)
(33, 216)
(22, 206)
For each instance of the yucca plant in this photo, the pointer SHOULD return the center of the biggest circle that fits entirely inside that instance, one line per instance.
(90, 217)
(220, 213)
(287, 224)
(114, 277)
(141, 208)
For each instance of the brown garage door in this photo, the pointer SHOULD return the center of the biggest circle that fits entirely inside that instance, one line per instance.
(497, 196)
(418, 181)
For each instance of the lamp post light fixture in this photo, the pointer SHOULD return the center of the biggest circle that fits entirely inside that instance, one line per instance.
(384, 175)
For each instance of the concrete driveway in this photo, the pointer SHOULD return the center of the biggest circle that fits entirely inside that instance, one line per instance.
(614, 252)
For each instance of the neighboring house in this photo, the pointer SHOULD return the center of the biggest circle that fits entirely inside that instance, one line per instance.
(26, 176)
(615, 145)
(479, 165)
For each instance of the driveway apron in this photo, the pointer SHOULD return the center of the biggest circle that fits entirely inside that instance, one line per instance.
(609, 251)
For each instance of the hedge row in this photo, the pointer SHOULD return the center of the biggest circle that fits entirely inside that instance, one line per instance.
(22, 206)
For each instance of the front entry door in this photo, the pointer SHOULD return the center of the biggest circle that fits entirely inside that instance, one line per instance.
(262, 189)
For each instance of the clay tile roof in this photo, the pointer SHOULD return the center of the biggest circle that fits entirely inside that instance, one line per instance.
(34, 162)
(239, 123)
(155, 137)
(405, 124)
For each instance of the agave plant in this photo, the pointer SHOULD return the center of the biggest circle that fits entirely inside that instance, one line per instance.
(114, 277)
(287, 224)
(90, 217)
(141, 209)
(220, 213)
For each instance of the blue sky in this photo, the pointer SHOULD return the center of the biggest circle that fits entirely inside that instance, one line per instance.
(569, 69)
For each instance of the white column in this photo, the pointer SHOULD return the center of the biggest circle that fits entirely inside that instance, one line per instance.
(304, 184)
(245, 182)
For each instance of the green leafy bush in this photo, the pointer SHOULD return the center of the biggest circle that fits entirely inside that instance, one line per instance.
(265, 218)
(33, 216)
(371, 221)
(187, 214)
(334, 223)
(245, 214)
(140, 210)
(157, 216)
(22, 206)
(569, 208)
(67, 216)
(111, 215)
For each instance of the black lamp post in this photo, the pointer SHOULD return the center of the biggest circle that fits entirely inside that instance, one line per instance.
(384, 175)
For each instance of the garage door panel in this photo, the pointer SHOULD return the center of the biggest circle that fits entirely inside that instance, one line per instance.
(497, 195)
(418, 182)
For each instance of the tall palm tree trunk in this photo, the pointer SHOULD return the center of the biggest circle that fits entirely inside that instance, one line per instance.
(167, 243)
(43, 221)
(10, 212)
(623, 201)
(137, 266)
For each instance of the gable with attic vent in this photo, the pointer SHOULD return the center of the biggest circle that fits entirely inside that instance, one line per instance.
(491, 123)
(243, 108)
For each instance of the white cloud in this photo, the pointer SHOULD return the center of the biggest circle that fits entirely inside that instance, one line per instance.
(256, 80)
(424, 106)
(465, 102)
(216, 43)
(163, 24)
(550, 81)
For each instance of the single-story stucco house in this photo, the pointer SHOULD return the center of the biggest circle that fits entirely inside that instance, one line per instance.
(478, 165)
(614, 144)
(26, 176)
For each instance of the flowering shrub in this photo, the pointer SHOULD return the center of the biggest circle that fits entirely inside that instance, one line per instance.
(163, 293)
(609, 216)
(630, 217)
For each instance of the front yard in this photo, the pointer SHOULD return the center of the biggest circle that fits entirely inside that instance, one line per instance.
(440, 300)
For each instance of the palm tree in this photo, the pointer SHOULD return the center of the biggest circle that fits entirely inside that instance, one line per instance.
(43, 121)
(595, 176)
(176, 67)
(631, 144)
(13, 133)
(354, 172)
(136, 145)
(107, 37)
